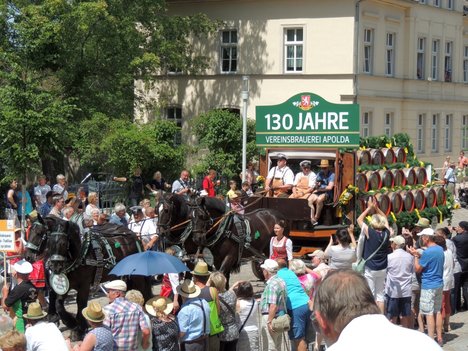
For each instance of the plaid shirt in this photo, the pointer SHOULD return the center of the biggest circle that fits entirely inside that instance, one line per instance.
(274, 290)
(125, 319)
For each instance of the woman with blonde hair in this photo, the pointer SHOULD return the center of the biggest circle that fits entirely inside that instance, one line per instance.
(164, 326)
(93, 202)
(375, 249)
(229, 337)
(136, 297)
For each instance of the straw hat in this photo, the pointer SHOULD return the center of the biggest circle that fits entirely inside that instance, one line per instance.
(423, 223)
(159, 303)
(201, 268)
(188, 289)
(35, 311)
(324, 163)
(94, 312)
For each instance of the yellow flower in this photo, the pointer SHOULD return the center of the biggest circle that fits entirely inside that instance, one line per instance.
(406, 150)
(407, 165)
(388, 145)
(421, 164)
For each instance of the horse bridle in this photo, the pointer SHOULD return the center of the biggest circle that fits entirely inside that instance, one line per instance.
(169, 209)
(58, 257)
(37, 248)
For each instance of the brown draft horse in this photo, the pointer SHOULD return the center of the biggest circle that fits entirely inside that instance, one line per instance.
(59, 242)
(228, 239)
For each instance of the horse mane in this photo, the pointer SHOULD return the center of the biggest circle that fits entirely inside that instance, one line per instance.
(214, 206)
(180, 205)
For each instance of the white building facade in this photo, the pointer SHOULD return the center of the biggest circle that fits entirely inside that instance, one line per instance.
(404, 61)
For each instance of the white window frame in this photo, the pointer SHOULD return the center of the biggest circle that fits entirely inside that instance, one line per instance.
(435, 48)
(390, 54)
(174, 114)
(465, 64)
(448, 63)
(464, 133)
(421, 59)
(420, 133)
(388, 123)
(230, 48)
(448, 133)
(435, 132)
(298, 50)
(366, 124)
(368, 63)
(450, 4)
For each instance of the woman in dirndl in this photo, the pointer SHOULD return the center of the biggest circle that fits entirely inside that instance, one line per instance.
(280, 244)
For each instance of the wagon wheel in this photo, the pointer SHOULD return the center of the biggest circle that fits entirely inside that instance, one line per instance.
(256, 270)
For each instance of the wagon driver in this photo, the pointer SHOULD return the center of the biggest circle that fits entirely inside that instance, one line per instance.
(280, 178)
(304, 182)
(324, 191)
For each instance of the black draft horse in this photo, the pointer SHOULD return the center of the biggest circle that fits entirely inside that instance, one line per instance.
(232, 237)
(59, 242)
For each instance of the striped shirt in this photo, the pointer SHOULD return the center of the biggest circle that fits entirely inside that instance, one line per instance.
(125, 319)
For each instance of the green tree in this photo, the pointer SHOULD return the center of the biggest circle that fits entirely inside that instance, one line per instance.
(220, 133)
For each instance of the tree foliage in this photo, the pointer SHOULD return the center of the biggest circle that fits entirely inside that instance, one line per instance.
(220, 132)
(68, 73)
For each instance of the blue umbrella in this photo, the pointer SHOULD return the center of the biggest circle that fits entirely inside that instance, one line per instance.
(149, 263)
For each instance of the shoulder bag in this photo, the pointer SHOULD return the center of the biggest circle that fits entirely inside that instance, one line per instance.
(282, 323)
(216, 326)
(360, 265)
(248, 316)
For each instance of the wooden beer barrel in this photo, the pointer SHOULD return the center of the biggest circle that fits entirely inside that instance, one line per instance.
(421, 175)
(389, 156)
(362, 182)
(431, 197)
(377, 157)
(400, 154)
(374, 179)
(364, 157)
(384, 203)
(396, 201)
(410, 175)
(408, 200)
(441, 196)
(388, 180)
(361, 204)
(399, 177)
(419, 199)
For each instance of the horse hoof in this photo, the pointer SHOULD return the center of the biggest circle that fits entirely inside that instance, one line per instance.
(76, 335)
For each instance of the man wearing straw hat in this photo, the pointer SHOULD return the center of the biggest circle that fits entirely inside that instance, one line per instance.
(42, 335)
(99, 334)
(193, 318)
(18, 299)
(325, 183)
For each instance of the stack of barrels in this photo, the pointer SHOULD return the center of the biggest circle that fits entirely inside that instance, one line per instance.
(394, 200)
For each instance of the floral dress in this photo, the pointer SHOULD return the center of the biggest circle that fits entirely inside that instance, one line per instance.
(165, 335)
(228, 316)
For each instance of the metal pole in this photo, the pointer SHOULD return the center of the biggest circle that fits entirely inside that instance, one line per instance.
(245, 98)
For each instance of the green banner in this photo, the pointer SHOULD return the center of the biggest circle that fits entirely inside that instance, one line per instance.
(307, 120)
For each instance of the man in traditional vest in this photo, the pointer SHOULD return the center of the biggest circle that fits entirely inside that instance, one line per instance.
(304, 182)
(280, 178)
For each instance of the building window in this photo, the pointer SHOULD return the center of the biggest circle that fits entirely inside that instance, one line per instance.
(448, 133)
(450, 4)
(388, 124)
(420, 133)
(174, 114)
(390, 55)
(421, 59)
(435, 60)
(464, 133)
(294, 49)
(368, 50)
(229, 51)
(465, 64)
(435, 133)
(422, 1)
(366, 124)
(448, 61)
(437, 3)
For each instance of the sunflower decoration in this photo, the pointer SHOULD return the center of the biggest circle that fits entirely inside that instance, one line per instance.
(261, 181)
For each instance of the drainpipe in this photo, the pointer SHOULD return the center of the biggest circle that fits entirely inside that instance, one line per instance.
(357, 56)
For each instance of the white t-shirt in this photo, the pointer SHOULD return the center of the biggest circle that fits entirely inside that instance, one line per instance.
(44, 337)
(144, 228)
(61, 190)
(312, 177)
(340, 257)
(375, 332)
(284, 173)
(40, 192)
(449, 264)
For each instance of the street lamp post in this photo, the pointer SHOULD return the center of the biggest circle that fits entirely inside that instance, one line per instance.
(245, 98)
